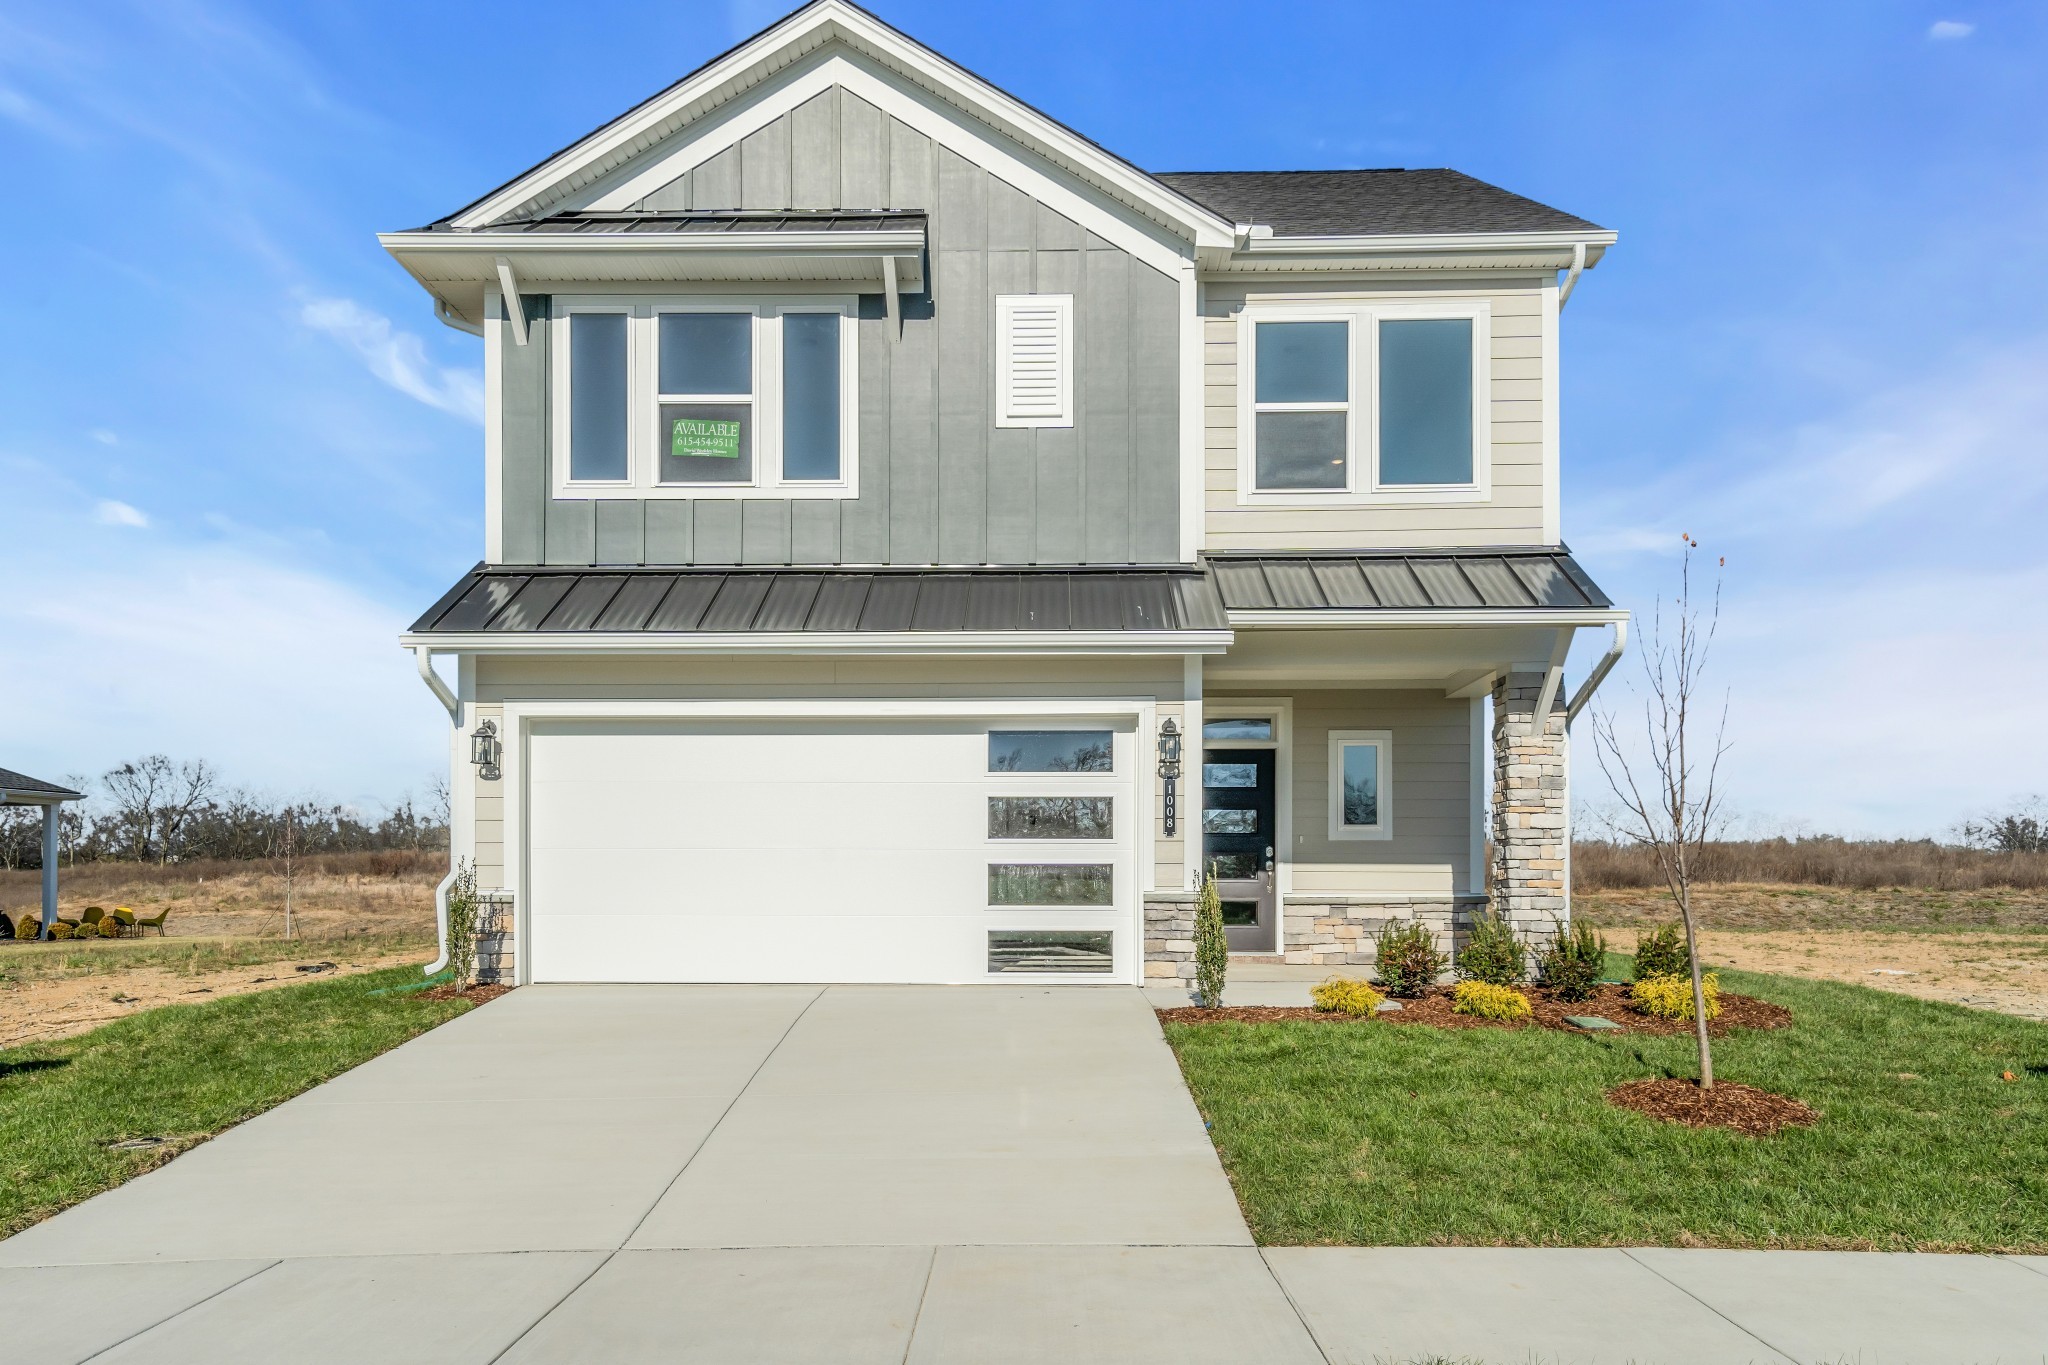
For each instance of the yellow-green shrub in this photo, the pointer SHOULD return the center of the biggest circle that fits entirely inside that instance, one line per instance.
(1488, 1001)
(1670, 997)
(26, 928)
(1346, 995)
(61, 930)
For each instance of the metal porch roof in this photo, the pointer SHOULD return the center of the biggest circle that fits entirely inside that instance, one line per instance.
(1406, 580)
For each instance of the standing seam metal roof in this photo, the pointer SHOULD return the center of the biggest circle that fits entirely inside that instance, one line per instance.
(504, 599)
(1406, 581)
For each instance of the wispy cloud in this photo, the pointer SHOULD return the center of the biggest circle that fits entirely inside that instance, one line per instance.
(104, 437)
(112, 513)
(398, 357)
(29, 113)
(1949, 30)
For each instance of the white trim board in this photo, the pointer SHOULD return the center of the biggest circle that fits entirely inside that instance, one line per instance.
(825, 642)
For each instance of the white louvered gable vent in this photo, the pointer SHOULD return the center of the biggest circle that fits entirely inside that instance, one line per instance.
(1034, 360)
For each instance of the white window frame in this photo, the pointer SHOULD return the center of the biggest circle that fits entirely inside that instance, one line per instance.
(1063, 308)
(1383, 741)
(644, 400)
(1362, 486)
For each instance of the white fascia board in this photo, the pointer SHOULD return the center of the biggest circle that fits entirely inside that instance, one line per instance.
(1475, 616)
(1381, 243)
(805, 32)
(828, 642)
(894, 242)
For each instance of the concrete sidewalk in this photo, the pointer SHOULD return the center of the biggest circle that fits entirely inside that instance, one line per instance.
(856, 1174)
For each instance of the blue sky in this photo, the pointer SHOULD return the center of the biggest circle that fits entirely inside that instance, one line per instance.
(237, 455)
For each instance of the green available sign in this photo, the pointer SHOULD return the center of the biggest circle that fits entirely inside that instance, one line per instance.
(697, 438)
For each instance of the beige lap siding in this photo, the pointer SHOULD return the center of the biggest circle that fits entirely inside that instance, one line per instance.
(558, 678)
(1514, 513)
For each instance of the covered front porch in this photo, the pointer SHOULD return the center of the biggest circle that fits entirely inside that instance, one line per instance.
(1385, 741)
(19, 789)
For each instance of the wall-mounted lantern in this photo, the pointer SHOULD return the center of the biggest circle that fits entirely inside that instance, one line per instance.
(1169, 770)
(484, 749)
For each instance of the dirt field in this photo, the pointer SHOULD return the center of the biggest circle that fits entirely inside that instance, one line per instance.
(224, 935)
(1987, 948)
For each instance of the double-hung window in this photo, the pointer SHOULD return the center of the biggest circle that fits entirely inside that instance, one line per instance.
(724, 397)
(1363, 403)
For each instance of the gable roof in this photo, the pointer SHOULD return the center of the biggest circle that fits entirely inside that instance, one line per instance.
(805, 31)
(1369, 203)
(21, 789)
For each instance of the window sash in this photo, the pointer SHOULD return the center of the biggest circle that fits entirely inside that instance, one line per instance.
(1342, 407)
(1379, 744)
(763, 403)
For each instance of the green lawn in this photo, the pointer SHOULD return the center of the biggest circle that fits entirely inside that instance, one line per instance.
(1386, 1134)
(183, 1072)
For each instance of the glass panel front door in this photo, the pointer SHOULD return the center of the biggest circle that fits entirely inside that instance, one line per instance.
(1237, 844)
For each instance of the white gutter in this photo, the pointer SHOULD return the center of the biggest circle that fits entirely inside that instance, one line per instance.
(877, 242)
(1327, 618)
(1599, 673)
(441, 919)
(1571, 277)
(1257, 244)
(854, 642)
(446, 696)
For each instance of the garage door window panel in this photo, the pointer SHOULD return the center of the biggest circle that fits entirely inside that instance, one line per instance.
(1050, 817)
(1075, 951)
(1051, 751)
(1053, 885)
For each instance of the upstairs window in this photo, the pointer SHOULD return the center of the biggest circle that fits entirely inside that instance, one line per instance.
(714, 397)
(1363, 403)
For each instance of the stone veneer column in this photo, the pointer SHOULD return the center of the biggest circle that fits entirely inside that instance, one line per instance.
(495, 962)
(1527, 886)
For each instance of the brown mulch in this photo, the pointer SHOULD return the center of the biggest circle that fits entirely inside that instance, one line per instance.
(1434, 1008)
(481, 995)
(1739, 1108)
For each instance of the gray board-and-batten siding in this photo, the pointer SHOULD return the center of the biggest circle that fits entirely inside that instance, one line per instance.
(940, 483)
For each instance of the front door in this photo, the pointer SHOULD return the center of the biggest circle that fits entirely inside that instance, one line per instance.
(1237, 844)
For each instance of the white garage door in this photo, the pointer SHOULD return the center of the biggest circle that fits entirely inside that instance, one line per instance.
(833, 851)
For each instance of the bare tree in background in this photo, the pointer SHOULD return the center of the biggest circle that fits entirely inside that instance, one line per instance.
(1669, 803)
(287, 855)
(154, 799)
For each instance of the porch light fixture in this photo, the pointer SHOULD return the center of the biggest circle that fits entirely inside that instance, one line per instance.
(1169, 770)
(484, 749)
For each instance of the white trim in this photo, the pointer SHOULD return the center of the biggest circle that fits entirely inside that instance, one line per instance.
(1362, 486)
(1142, 711)
(1481, 795)
(494, 432)
(1334, 618)
(997, 642)
(1382, 742)
(1553, 479)
(508, 289)
(1058, 310)
(1160, 244)
(507, 247)
(1194, 453)
(1392, 243)
(644, 400)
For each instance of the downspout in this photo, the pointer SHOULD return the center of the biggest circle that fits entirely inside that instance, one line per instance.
(449, 317)
(1571, 276)
(446, 696)
(1599, 673)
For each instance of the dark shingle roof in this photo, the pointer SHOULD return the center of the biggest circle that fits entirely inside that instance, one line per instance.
(1368, 203)
(12, 782)
(1406, 580)
(500, 599)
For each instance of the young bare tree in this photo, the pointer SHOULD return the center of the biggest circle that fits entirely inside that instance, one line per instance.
(287, 855)
(1669, 803)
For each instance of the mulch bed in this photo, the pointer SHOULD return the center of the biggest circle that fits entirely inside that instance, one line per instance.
(1434, 1009)
(482, 995)
(1739, 1108)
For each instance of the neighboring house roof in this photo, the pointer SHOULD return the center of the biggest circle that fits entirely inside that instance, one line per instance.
(1406, 581)
(649, 601)
(641, 223)
(21, 789)
(1369, 203)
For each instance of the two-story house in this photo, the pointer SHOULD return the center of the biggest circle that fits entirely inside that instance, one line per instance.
(919, 543)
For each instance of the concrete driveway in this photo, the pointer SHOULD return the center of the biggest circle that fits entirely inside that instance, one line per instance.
(921, 1174)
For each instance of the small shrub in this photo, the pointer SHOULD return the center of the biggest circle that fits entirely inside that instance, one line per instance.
(1212, 947)
(1494, 953)
(1572, 964)
(1408, 961)
(1490, 1001)
(26, 928)
(1661, 952)
(464, 911)
(1670, 997)
(1346, 995)
(61, 930)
